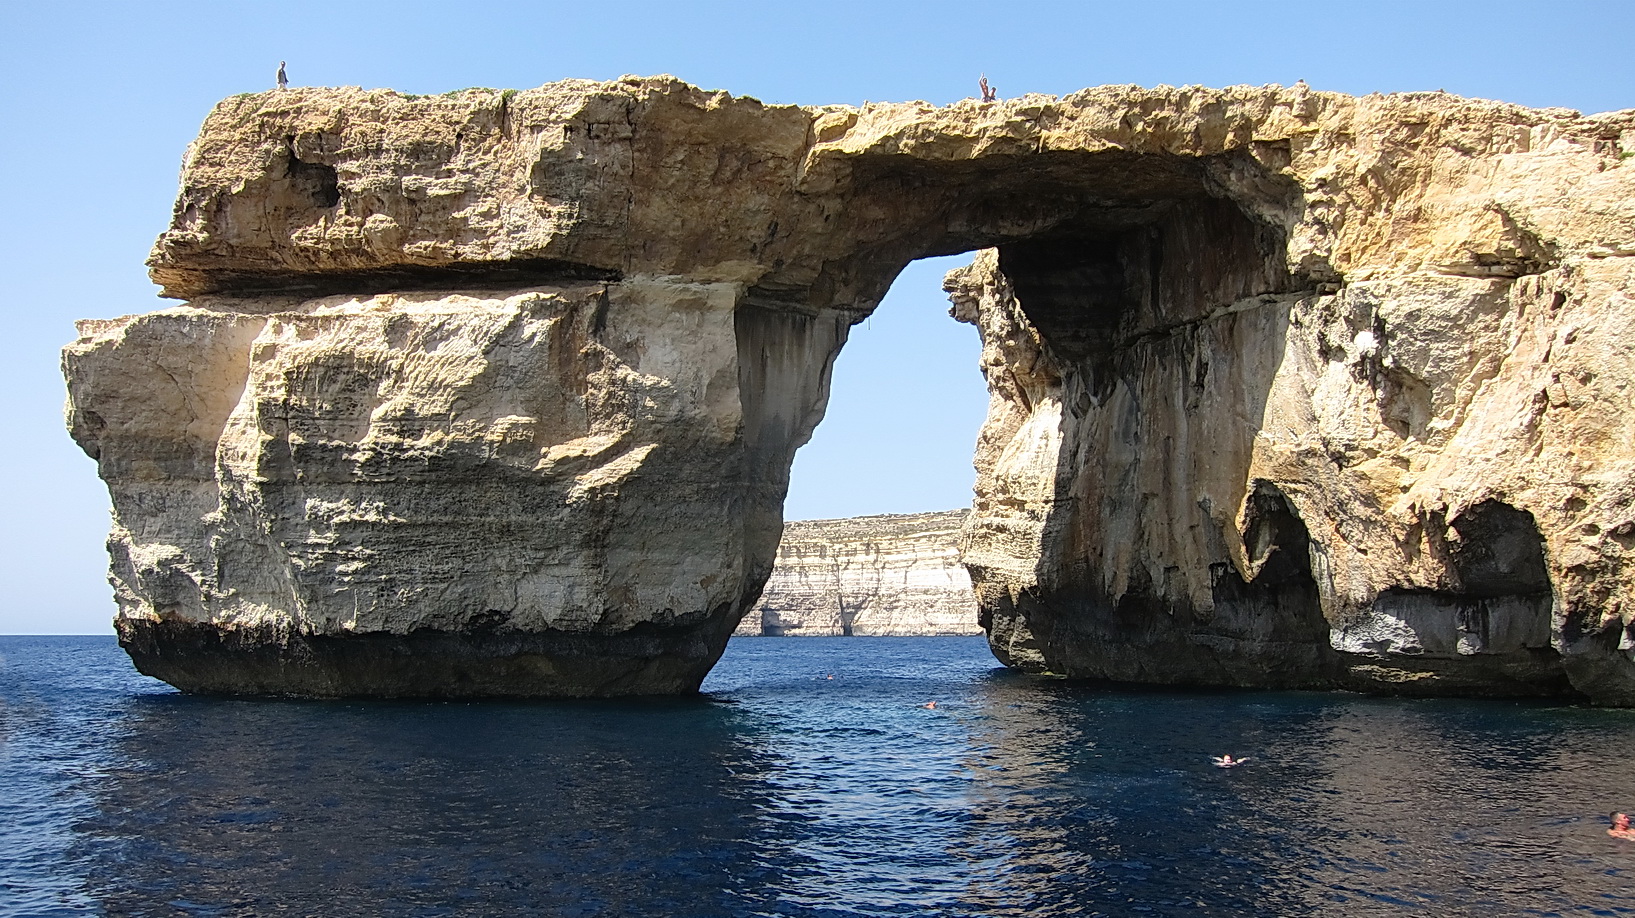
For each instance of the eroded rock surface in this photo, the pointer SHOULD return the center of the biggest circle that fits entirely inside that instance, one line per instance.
(496, 392)
(893, 574)
(1369, 488)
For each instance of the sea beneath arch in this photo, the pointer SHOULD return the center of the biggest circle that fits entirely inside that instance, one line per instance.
(814, 777)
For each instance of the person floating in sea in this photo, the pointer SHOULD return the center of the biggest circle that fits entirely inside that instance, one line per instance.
(988, 93)
(930, 705)
(1620, 827)
(283, 80)
(1226, 761)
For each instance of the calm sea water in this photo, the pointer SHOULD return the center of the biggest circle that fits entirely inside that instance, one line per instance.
(785, 792)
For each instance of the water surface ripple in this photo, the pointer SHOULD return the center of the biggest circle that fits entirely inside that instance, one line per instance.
(809, 781)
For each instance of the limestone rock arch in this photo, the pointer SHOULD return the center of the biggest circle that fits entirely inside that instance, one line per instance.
(496, 393)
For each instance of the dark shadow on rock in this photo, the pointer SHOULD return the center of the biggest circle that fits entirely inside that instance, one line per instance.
(1167, 336)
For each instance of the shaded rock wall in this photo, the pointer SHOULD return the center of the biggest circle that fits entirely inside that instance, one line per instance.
(1289, 387)
(1252, 506)
(888, 575)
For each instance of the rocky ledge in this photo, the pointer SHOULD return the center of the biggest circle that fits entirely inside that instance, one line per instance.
(496, 393)
(895, 574)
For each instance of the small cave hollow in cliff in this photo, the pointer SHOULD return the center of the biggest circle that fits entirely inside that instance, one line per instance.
(1497, 551)
(318, 182)
(1278, 604)
(1489, 628)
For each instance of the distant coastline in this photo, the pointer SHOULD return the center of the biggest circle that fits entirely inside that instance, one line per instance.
(895, 574)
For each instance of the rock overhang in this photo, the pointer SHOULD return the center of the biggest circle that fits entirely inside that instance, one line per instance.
(580, 176)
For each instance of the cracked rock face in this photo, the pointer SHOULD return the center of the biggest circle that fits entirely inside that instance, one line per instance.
(495, 393)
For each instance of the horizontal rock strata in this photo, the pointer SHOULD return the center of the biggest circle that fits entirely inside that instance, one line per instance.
(867, 576)
(497, 392)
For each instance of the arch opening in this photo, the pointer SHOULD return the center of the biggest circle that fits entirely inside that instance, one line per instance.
(879, 494)
(1131, 349)
(1104, 257)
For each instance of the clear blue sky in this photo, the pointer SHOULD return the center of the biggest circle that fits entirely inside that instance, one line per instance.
(98, 100)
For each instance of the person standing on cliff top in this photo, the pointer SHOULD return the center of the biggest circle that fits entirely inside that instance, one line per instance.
(283, 81)
(988, 92)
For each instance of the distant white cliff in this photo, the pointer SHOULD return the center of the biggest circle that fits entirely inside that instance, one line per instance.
(894, 574)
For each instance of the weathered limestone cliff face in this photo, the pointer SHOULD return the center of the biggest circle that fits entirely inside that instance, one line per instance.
(867, 576)
(496, 393)
(1370, 488)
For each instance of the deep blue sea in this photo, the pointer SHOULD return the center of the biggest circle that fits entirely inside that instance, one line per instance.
(785, 792)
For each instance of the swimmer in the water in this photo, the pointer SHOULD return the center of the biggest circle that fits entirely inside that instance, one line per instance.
(932, 705)
(1620, 827)
(1226, 761)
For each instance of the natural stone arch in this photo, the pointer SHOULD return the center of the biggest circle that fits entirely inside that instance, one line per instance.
(496, 393)
(1115, 266)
